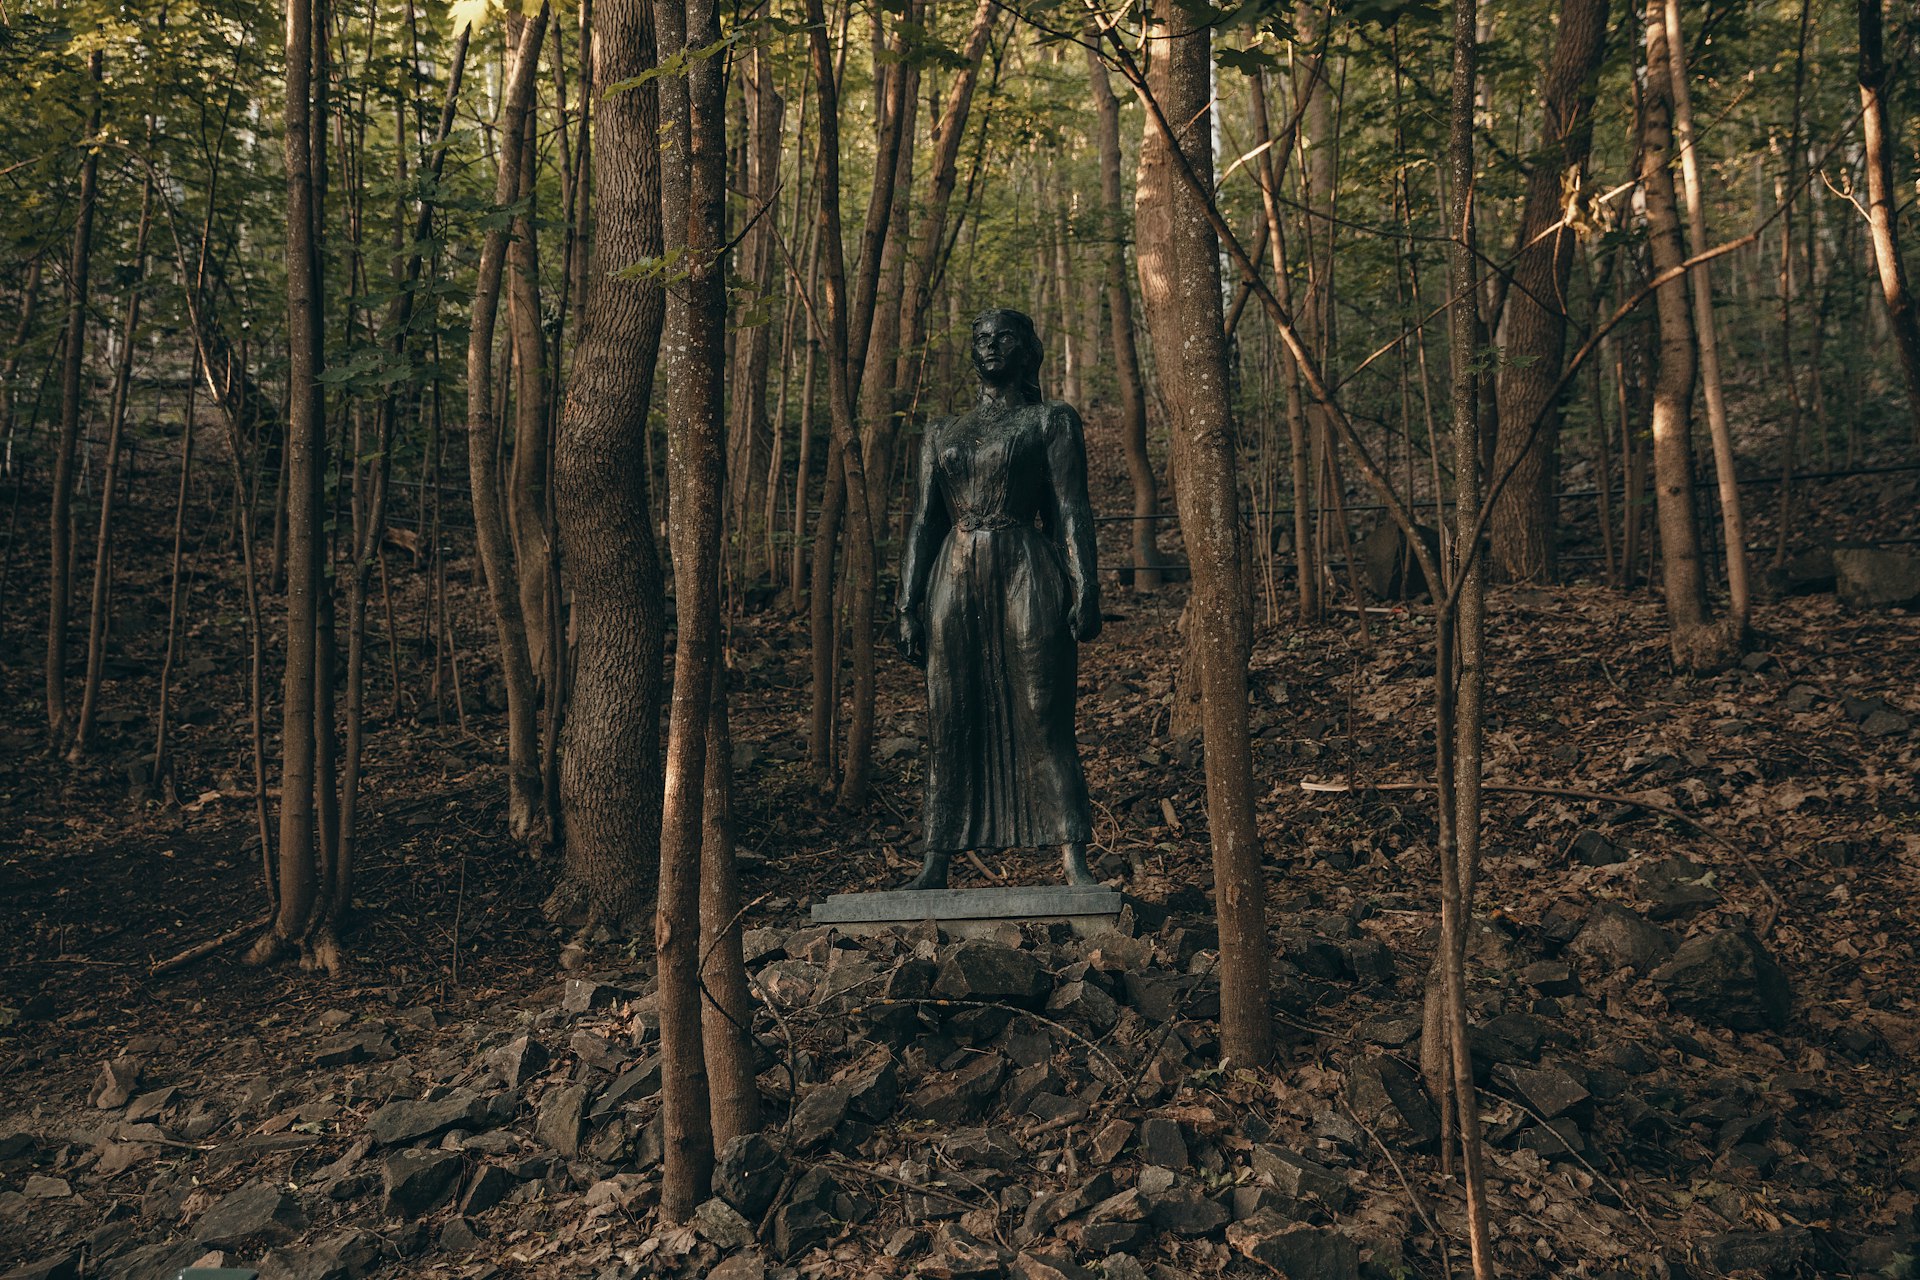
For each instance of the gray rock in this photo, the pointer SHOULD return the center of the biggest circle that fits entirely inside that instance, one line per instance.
(1389, 1098)
(42, 1187)
(819, 1114)
(959, 1255)
(596, 1050)
(1876, 716)
(1294, 1249)
(1550, 977)
(1085, 1003)
(1728, 979)
(1769, 1252)
(636, 1084)
(402, 1122)
(721, 1224)
(1616, 938)
(368, 1044)
(955, 1097)
(1161, 1143)
(1161, 996)
(518, 1061)
(741, 1266)
(1678, 887)
(116, 1083)
(1185, 1212)
(748, 1174)
(584, 995)
(1299, 1178)
(412, 1182)
(873, 1087)
(978, 969)
(460, 1236)
(487, 1188)
(1592, 849)
(64, 1265)
(1122, 1266)
(258, 1213)
(562, 1111)
(1048, 1266)
(1876, 577)
(1548, 1091)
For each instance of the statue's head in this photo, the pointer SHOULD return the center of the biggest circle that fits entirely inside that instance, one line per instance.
(1007, 351)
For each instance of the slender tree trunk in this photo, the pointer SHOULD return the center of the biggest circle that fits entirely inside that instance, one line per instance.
(60, 533)
(162, 768)
(693, 115)
(305, 453)
(527, 484)
(524, 793)
(1126, 357)
(1733, 522)
(1688, 615)
(726, 1006)
(759, 263)
(610, 785)
(10, 367)
(1882, 216)
(1180, 289)
(109, 486)
(1534, 326)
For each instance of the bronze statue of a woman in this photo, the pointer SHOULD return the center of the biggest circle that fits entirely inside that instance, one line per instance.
(997, 590)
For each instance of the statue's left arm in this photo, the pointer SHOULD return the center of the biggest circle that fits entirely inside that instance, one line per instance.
(1073, 516)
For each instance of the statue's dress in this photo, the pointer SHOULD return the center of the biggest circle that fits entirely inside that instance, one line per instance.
(1002, 547)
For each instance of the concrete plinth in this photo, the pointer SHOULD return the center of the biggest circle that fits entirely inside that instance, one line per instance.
(968, 911)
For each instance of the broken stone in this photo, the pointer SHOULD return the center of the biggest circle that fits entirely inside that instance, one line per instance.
(1876, 577)
(487, 1188)
(636, 1084)
(1548, 1091)
(873, 1087)
(1728, 979)
(959, 1255)
(819, 1114)
(596, 1050)
(1557, 1139)
(1161, 1143)
(1111, 1141)
(1186, 1212)
(1368, 959)
(115, 1084)
(557, 1125)
(1389, 1098)
(1161, 996)
(1389, 1031)
(955, 1097)
(257, 1213)
(42, 1187)
(1086, 1003)
(401, 1122)
(1294, 1249)
(1054, 1111)
(979, 969)
(1043, 1266)
(369, 1044)
(415, 1181)
(1677, 887)
(1876, 716)
(1616, 938)
(1592, 849)
(460, 1236)
(741, 1266)
(1550, 977)
(584, 995)
(55, 1266)
(720, 1223)
(1768, 1252)
(1299, 1178)
(1122, 1266)
(748, 1174)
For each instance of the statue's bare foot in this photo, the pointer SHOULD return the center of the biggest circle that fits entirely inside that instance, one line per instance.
(933, 873)
(1073, 861)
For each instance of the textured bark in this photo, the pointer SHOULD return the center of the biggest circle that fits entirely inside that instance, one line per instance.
(60, 534)
(1733, 522)
(527, 484)
(1534, 326)
(693, 118)
(110, 484)
(759, 262)
(1180, 290)
(524, 796)
(610, 756)
(306, 428)
(1688, 616)
(726, 1006)
(1877, 134)
(1126, 357)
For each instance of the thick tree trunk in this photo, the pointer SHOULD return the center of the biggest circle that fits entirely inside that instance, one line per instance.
(610, 752)
(693, 115)
(1126, 357)
(524, 793)
(1733, 523)
(1535, 323)
(1694, 641)
(1180, 289)
(60, 533)
(1877, 133)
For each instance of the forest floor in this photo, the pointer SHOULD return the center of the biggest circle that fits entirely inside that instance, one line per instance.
(1657, 1101)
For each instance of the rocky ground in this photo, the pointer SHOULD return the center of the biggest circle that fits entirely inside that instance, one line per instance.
(1693, 996)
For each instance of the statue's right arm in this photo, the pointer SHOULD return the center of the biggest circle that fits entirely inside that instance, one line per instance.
(924, 535)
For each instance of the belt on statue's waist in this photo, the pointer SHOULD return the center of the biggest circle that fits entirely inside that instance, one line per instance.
(981, 522)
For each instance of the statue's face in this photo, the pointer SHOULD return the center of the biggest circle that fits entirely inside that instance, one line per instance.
(999, 350)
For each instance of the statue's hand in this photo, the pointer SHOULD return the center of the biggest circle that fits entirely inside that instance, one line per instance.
(1084, 620)
(911, 638)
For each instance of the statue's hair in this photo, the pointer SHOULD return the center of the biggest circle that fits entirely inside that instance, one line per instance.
(1036, 351)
